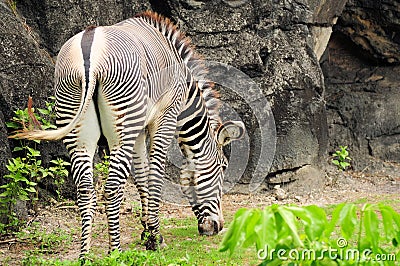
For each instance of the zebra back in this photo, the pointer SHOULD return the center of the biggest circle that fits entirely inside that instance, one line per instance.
(192, 59)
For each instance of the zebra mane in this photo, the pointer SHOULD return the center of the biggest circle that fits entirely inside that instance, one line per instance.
(191, 58)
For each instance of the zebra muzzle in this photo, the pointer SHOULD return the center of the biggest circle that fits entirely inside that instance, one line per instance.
(210, 227)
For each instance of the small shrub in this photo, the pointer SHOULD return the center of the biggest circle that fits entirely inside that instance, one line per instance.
(17, 188)
(26, 170)
(341, 158)
(43, 240)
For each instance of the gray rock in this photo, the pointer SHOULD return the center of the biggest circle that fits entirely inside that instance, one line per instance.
(373, 26)
(272, 44)
(26, 70)
(361, 76)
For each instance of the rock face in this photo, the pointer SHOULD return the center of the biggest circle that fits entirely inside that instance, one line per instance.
(25, 70)
(274, 44)
(361, 75)
(374, 26)
(55, 22)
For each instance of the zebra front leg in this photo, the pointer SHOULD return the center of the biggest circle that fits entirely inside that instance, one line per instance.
(141, 165)
(160, 141)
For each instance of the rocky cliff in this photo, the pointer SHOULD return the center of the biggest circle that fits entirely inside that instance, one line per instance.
(276, 44)
(361, 70)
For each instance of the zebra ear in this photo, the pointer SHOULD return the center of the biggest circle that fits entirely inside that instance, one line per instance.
(231, 130)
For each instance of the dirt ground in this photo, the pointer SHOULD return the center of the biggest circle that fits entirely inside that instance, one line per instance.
(356, 187)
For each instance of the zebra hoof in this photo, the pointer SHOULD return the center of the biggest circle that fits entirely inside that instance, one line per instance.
(145, 234)
(154, 242)
(82, 260)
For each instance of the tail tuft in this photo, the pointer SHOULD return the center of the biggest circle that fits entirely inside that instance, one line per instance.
(33, 131)
(27, 134)
(33, 122)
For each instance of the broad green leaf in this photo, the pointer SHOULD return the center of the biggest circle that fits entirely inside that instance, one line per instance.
(344, 165)
(30, 183)
(290, 221)
(318, 223)
(19, 178)
(387, 220)
(371, 226)
(348, 220)
(30, 189)
(33, 152)
(13, 125)
(335, 162)
(251, 222)
(5, 194)
(396, 239)
(266, 229)
(43, 111)
(396, 218)
(334, 220)
(304, 215)
(18, 148)
(64, 172)
(23, 197)
(236, 233)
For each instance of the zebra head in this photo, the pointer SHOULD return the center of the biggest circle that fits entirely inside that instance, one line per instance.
(206, 195)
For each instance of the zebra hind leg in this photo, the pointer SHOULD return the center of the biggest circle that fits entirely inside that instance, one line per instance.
(81, 144)
(86, 197)
(120, 165)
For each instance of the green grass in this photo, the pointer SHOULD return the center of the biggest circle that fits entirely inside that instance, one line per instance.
(184, 245)
(43, 241)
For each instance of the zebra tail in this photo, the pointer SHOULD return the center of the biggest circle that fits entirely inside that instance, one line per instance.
(59, 133)
(88, 88)
(39, 134)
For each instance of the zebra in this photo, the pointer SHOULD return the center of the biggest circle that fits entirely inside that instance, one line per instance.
(135, 80)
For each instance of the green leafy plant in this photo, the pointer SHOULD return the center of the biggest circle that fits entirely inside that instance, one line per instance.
(22, 118)
(101, 168)
(341, 158)
(17, 188)
(59, 172)
(49, 114)
(43, 240)
(115, 258)
(26, 170)
(292, 235)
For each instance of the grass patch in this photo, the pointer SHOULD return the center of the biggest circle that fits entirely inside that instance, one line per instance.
(43, 241)
(184, 245)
